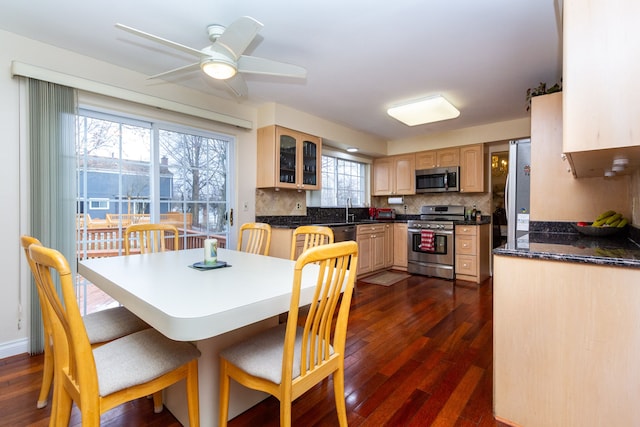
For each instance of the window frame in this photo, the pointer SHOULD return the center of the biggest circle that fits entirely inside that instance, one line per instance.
(99, 207)
(314, 198)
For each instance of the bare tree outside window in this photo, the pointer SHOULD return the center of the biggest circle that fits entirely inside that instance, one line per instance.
(199, 168)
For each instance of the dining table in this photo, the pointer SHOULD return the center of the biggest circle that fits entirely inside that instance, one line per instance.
(211, 307)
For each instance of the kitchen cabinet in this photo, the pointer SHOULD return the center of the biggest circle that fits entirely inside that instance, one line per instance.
(566, 345)
(400, 248)
(472, 168)
(388, 245)
(280, 242)
(438, 158)
(394, 175)
(589, 196)
(472, 252)
(371, 247)
(288, 159)
(600, 112)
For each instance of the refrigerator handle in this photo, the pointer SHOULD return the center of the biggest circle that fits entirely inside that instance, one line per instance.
(506, 195)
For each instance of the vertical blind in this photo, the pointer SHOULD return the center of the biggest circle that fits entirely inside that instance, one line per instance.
(52, 111)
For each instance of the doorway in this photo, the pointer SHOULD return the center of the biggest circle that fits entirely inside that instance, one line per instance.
(132, 171)
(499, 171)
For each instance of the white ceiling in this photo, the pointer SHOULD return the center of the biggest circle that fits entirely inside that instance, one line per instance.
(361, 56)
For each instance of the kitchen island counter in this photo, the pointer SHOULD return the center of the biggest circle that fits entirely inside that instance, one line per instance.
(565, 342)
(572, 247)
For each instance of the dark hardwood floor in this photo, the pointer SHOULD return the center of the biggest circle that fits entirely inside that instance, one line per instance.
(419, 353)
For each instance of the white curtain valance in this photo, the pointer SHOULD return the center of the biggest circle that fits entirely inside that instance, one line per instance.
(35, 72)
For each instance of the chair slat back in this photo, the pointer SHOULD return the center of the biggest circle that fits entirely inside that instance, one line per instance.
(149, 238)
(73, 355)
(311, 236)
(325, 327)
(27, 241)
(255, 238)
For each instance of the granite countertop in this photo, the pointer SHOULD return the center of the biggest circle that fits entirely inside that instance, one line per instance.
(619, 251)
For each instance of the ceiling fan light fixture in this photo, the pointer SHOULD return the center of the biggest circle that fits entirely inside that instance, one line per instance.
(424, 110)
(218, 69)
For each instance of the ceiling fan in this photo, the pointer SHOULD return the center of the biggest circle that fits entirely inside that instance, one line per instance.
(224, 59)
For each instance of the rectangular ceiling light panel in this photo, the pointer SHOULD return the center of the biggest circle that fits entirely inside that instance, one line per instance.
(426, 110)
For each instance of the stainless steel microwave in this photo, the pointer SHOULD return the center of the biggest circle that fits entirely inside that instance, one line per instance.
(438, 180)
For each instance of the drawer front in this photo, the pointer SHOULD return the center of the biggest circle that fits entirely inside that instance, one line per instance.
(371, 229)
(466, 245)
(467, 230)
(466, 265)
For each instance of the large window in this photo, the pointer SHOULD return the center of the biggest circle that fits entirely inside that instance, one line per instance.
(342, 180)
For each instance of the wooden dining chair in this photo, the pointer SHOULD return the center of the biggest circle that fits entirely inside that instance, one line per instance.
(310, 236)
(101, 326)
(258, 238)
(149, 238)
(100, 379)
(287, 360)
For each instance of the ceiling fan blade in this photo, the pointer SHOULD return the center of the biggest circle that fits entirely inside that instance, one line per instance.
(165, 42)
(256, 65)
(237, 85)
(237, 36)
(194, 66)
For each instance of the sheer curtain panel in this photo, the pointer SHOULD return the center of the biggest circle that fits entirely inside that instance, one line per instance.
(52, 117)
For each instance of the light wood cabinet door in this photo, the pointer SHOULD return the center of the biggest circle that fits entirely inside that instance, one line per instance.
(400, 248)
(378, 247)
(426, 159)
(448, 157)
(472, 168)
(281, 242)
(405, 175)
(372, 247)
(288, 159)
(395, 175)
(383, 181)
(364, 254)
(438, 158)
(388, 245)
(600, 74)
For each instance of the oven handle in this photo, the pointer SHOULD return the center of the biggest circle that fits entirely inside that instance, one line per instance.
(436, 232)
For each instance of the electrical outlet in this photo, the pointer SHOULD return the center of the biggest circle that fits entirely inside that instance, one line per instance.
(245, 206)
(298, 206)
(405, 208)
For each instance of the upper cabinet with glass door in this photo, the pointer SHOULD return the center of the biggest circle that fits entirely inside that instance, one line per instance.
(288, 159)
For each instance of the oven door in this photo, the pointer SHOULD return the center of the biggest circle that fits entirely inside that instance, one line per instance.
(439, 262)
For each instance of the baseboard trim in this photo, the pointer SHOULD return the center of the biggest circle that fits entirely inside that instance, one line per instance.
(13, 348)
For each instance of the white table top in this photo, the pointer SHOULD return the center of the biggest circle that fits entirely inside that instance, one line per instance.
(187, 304)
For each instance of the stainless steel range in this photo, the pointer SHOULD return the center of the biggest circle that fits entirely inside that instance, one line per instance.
(431, 241)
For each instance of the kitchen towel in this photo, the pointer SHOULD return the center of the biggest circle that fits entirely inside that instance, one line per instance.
(427, 240)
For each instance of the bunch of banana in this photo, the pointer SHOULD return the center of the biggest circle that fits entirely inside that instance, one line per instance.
(610, 219)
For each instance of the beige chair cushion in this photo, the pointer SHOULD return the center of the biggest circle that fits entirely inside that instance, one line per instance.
(138, 358)
(261, 355)
(112, 323)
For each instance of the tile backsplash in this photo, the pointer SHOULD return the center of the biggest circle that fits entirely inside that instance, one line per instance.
(293, 203)
(270, 202)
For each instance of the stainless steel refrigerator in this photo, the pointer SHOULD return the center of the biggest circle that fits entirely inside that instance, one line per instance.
(517, 192)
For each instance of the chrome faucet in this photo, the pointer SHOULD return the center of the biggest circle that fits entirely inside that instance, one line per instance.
(347, 206)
